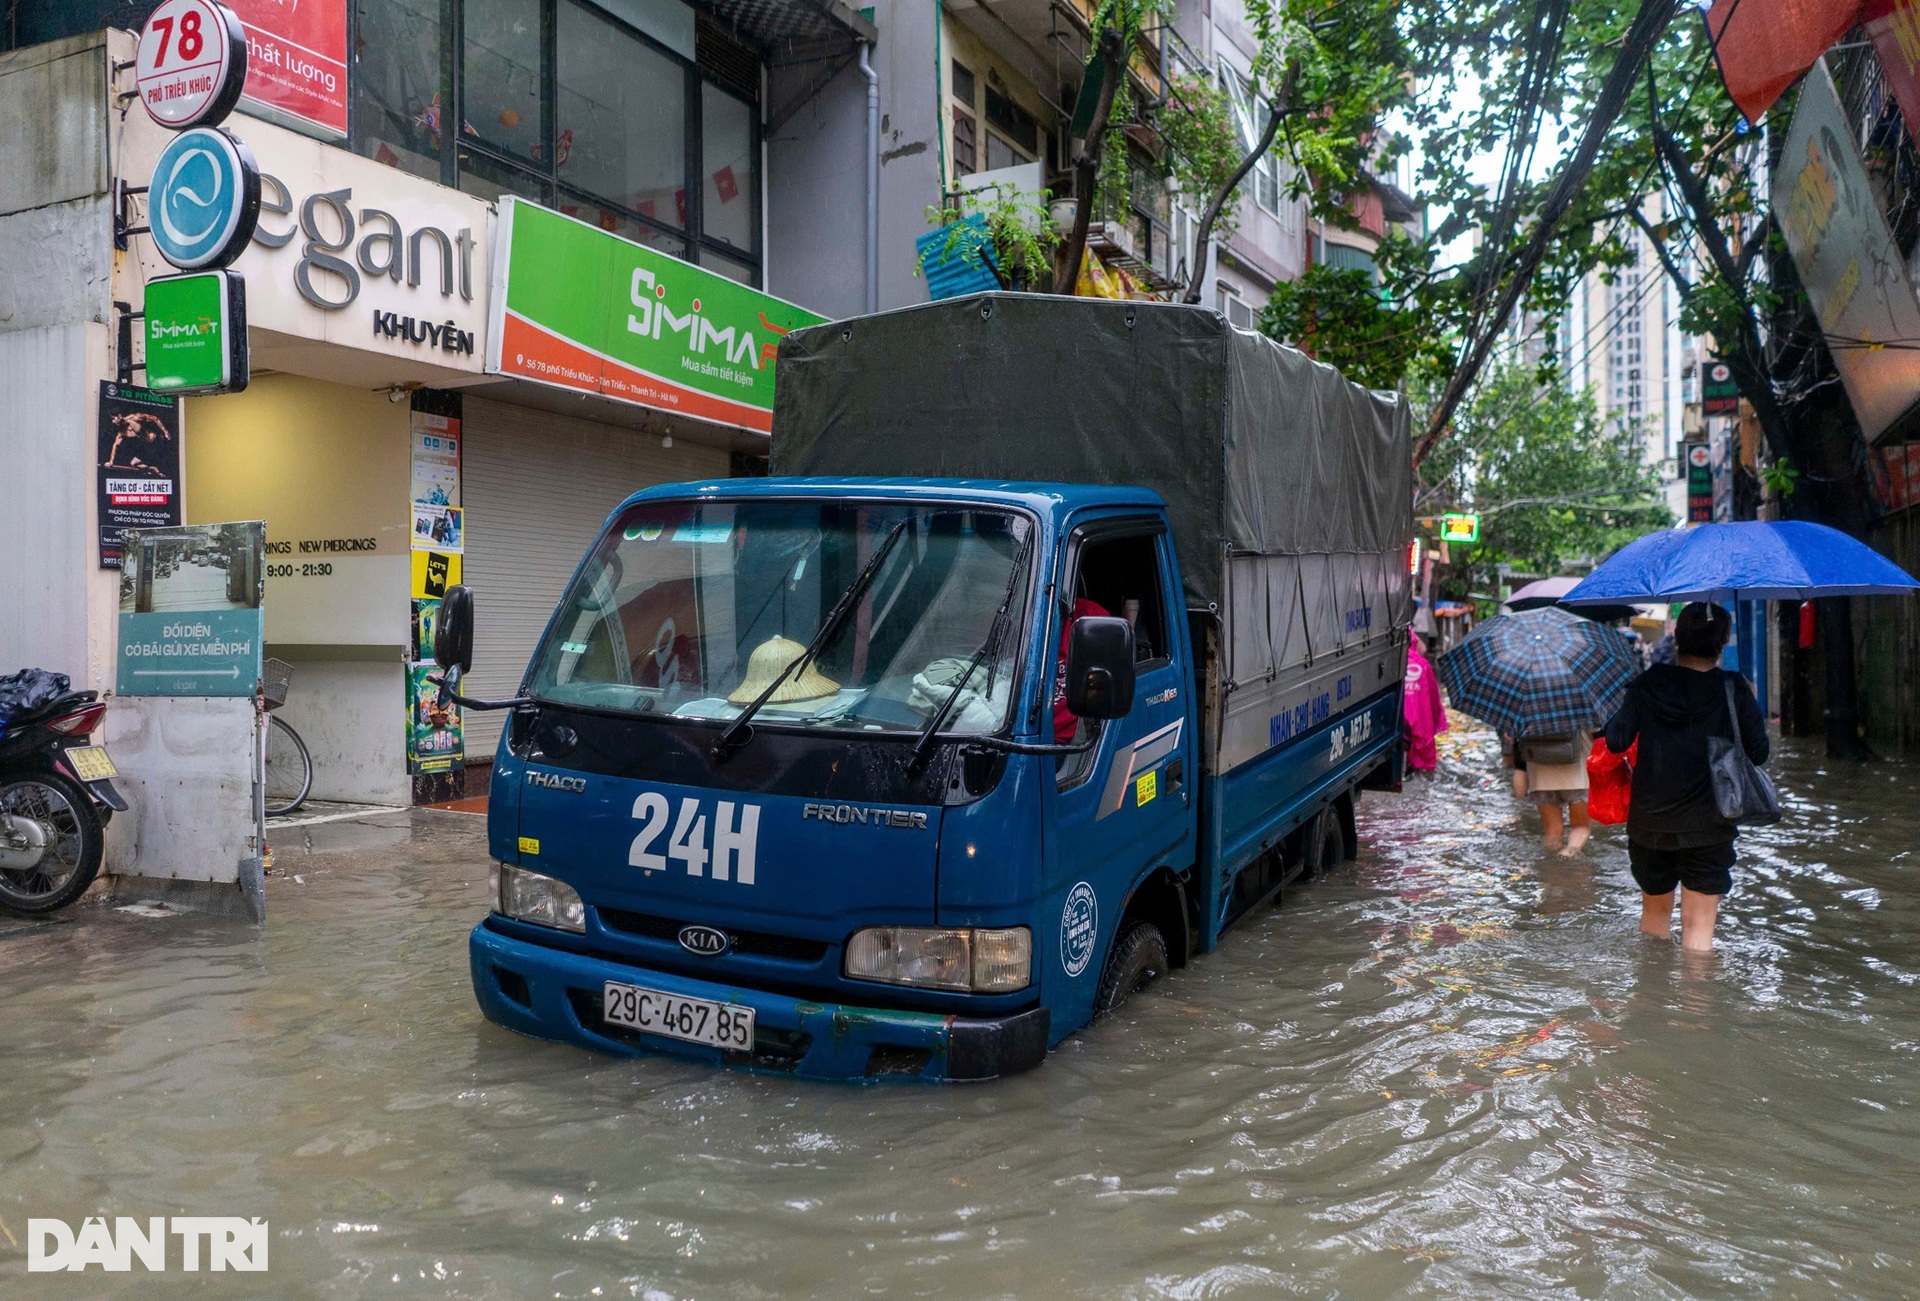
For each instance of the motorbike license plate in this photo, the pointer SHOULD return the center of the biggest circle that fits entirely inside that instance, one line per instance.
(697, 1020)
(91, 763)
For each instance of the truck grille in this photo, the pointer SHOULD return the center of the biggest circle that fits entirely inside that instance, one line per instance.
(757, 944)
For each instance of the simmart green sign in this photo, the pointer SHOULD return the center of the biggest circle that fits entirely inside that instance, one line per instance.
(584, 309)
(196, 330)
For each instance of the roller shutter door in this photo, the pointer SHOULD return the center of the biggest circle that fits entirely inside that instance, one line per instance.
(536, 487)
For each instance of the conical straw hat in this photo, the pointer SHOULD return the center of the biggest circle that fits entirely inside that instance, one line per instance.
(768, 659)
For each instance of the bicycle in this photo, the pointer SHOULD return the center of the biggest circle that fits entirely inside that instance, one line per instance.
(289, 767)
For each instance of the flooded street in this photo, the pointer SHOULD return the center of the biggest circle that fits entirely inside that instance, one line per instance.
(1454, 1068)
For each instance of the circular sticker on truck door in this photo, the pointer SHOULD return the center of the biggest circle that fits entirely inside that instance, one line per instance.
(1079, 923)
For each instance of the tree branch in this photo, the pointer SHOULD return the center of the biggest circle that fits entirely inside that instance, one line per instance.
(1680, 281)
(1647, 25)
(1749, 359)
(1203, 235)
(1086, 163)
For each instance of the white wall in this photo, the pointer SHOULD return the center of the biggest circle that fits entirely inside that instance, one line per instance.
(353, 717)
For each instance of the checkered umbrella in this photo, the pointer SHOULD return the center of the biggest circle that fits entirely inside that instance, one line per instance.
(1539, 673)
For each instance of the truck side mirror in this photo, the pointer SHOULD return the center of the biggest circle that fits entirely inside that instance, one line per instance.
(1100, 668)
(453, 634)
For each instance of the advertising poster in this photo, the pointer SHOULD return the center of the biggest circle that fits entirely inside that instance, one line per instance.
(138, 461)
(438, 528)
(436, 459)
(191, 622)
(588, 311)
(297, 61)
(1847, 258)
(426, 617)
(433, 733)
(433, 573)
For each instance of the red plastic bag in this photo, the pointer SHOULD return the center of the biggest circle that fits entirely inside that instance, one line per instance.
(1610, 782)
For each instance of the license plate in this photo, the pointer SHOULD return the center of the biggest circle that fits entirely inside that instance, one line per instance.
(697, 1020)
(90, 763)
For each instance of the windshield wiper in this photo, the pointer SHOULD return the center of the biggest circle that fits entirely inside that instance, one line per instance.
(738, 733)
(1002, 620)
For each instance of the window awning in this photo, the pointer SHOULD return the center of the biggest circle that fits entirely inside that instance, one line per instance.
(781, 24)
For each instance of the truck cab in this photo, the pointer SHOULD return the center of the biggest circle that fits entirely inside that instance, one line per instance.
(913, 859)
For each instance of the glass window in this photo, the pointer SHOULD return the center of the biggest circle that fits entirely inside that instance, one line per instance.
(621, 117)
(595, 213)
(731, 268)
(501, 73)
(691, 609)
(396, 84)
(1001, 154)
(728, 167)
(963, 144)
(963, 83)
(490, 178)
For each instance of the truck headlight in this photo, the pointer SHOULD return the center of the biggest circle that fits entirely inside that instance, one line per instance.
(971, 961)
(531, 897)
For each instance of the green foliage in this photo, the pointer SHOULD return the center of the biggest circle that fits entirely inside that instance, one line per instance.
(1550, 482)
(1781, 478)
(1383, 334)
(1127, 18)
(1022, 235)
(1202, 142)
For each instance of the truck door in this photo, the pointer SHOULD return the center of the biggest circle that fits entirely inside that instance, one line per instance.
(1126, 804)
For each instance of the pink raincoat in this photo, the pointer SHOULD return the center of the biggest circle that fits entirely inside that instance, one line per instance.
(1426, 716)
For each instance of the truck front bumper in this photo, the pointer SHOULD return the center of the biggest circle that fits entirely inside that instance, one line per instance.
(555, 994)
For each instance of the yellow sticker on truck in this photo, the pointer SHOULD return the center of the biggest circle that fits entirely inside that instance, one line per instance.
(1147, 787)
(528, 845)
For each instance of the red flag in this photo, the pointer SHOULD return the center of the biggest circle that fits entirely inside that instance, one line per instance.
(1764, 46)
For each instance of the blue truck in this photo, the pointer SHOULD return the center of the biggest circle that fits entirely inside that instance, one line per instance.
(1063, 635)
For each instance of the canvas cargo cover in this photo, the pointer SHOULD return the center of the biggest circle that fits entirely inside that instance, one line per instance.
(1257, 449)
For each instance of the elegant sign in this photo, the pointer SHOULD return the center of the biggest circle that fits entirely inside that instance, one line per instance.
(191, 63)
(190, 610)
(355, 254)
(1847, 259)
(204, 199)
(138, 463)
(579, 308)
(197, 333)
(298, 52)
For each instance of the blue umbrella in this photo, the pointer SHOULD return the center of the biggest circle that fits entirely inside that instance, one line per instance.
(1753, 560)
(1539, 673)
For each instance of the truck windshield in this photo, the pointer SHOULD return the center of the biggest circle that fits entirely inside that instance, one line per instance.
(689, 609)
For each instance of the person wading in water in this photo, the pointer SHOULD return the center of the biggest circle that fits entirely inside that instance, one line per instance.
(1675, 834)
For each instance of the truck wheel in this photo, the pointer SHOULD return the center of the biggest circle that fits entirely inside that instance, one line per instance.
(1326, 846)
(1138, 959)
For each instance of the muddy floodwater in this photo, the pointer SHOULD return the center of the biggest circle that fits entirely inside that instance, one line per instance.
(1454, 1068)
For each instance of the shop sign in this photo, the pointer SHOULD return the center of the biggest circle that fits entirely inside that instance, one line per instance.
(138, 464)
(579, 308)
(1720, 392)
(191, 63)
(298, 50)
(1699, 463)
(196, 330)
(1847, 258)
(353, 253)
(190, 610)
(204, 199)
(1459, 528)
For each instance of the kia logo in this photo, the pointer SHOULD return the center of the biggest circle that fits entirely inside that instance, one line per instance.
(704, 940)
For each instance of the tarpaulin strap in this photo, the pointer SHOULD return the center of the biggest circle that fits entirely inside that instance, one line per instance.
(1306, 616)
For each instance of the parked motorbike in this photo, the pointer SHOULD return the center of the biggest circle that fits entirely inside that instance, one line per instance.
(56, 795)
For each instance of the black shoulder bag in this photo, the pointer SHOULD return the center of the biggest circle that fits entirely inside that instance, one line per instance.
(1743, 794)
